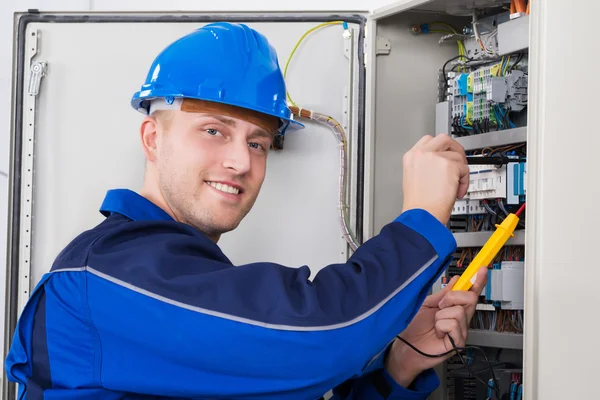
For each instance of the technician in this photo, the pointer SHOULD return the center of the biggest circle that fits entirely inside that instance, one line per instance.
(146, 306)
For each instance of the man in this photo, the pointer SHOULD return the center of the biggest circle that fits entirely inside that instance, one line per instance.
(145, 305)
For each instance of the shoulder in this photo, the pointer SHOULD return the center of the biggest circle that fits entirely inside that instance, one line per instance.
(119, 240)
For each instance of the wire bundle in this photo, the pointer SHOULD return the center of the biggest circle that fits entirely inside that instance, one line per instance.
(340, 136)
(508, 321)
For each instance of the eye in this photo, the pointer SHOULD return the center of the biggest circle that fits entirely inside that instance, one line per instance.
(255, 145)
(213, 132)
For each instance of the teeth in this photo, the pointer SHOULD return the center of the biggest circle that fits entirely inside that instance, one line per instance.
(224, 188)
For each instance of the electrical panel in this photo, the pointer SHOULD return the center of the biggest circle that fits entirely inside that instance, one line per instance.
(482, 103)
(482, 100)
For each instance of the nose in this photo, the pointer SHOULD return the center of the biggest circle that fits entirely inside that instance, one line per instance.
(237, 157)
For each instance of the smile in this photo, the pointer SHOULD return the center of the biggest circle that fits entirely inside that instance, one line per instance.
(224, 188)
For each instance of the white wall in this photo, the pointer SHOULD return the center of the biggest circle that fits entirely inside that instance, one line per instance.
(8, 7)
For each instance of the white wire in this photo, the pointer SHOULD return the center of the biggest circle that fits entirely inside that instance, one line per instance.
(476, 32)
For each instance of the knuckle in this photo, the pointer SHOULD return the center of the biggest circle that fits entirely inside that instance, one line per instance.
(451, 296)
(473, 298)
(439, 316)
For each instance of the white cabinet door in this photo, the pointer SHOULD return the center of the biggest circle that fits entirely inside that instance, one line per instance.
(562, 297)
(77, 137)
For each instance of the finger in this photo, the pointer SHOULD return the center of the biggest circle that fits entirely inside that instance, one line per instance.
(443, 143)
(434, 299)
(460, 298)
(424, 140)
(460, 163)
(463, 183)
(452, 328)
(457, 313)
(453, 156)
(480, 281)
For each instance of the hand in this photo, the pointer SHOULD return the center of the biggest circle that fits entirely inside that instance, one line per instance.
(435, 174)
(443, 313)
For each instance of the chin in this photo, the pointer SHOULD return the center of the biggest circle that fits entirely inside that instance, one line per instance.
(224, 228)
(222, 225)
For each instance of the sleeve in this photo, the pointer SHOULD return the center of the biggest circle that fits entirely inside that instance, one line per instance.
(172, 316)
(378, 384)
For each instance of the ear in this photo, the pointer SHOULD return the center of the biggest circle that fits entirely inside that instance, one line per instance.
(149, 137)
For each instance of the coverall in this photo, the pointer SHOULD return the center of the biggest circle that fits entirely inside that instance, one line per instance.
(144, 307)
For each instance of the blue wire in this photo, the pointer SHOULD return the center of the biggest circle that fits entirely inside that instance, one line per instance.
(500, 124)
(462, 123)
(513, 390)
(504, 115)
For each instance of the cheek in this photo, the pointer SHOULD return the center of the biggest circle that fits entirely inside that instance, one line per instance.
(179, 160)
(259, 168)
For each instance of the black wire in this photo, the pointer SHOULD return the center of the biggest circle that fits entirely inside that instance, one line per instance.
(489, 209)
(444, 68)
(496, 388)
(456, 350)
(520, 224)
(502, 208)
(521, 56)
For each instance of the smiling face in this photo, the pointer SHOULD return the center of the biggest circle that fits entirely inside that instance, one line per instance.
(206, 167)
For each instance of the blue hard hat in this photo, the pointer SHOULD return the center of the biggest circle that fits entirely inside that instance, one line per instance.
(223, 63)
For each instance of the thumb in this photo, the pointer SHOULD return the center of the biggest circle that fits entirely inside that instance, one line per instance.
(480, 281)
(434, 299)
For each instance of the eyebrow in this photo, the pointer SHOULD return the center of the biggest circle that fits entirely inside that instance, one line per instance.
(231, 122)
(262, 133)
(225, 120)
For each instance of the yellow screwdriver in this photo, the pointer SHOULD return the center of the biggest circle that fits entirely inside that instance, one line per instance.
(487, 253)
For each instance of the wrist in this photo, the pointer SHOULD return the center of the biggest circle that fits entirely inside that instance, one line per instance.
(399, 367)
(438, 214)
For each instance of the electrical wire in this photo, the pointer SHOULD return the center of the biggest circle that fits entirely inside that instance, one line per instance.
(477, 35)
(324, 24)
(520, 211)
(446, 64)
(502, 208)
(457, 350)
(340, 136)
(489, 209)
(521, 56)
(451, 31)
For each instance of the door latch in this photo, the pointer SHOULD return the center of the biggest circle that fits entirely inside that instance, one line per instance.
(38, 71)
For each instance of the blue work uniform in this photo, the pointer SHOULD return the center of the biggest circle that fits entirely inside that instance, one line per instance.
(144, 307)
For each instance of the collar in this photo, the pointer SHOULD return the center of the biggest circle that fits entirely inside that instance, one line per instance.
(132, 205)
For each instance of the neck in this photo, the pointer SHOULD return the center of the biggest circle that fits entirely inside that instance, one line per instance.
(151, 191)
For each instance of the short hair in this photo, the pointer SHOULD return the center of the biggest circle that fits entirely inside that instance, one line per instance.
(164, 117)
